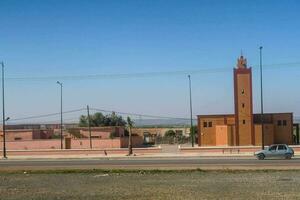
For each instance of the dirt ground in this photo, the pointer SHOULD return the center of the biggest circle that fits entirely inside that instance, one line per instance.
(159, 185)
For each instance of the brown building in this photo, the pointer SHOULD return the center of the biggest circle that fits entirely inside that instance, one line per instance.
(244, 128)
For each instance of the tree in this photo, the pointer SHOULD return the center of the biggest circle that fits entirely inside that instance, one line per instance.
(130, 125)
(170, 133)
(195, 129)
(115, 120)
(83, 121)
(98, 119)
(112, 135)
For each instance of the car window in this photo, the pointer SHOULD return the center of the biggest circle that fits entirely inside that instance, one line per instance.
(273, 148)
(281, 147)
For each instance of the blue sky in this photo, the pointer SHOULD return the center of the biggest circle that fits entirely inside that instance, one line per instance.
(65, 38)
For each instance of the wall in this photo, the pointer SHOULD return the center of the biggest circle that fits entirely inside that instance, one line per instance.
(11, 135)
(208, 134)
(137, 141)
(100, 132)
(42, 134)
(96, 143)
(221, 135)
(94, 133)
(268, 134)
(225, 135)
(27, 134)
(283, 134)
(160, 131)
(79, 152)
(32, 144)
(120, 142)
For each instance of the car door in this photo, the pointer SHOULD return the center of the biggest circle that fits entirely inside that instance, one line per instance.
(271, 153)
(281, 151)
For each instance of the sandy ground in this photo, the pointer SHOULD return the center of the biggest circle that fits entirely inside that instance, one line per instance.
(152, 185)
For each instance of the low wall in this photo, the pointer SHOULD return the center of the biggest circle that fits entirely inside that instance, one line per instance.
(137, 141)
(228, 150)
(82, 152)
(32, 144)
(120, 142)
(96, 143)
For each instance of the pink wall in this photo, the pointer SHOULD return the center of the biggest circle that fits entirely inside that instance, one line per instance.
(32, 144)
(103, 132)
(96, 143)
(100, 134)
(137, 141)
(23, 134)
(80, 152)
(27, 134)
(75, 143)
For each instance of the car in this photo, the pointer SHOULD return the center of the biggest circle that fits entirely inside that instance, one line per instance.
(275, 151)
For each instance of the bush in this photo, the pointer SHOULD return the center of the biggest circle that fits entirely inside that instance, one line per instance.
(170, 133)
(112, 135)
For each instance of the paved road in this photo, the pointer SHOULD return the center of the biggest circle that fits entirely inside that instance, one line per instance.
(151, 163)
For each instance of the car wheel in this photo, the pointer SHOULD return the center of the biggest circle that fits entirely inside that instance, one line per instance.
(260, 156)
(288, 156)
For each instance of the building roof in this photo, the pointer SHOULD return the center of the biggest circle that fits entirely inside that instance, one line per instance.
(216, 115)
(232, 115)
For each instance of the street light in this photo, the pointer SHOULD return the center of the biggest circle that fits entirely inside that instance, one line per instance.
(3, 113)
(191, 111)
(61, 117)
(4, 141)
(261, 101)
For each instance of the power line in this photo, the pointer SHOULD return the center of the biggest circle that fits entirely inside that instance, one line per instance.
(46, 115)
(146, 74)
(140, 115)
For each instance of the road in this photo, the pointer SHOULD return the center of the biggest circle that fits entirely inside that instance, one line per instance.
(151, 163)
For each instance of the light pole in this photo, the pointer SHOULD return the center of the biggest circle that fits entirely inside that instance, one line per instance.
(191, 110)
(3, 113)
(261, 100)
(61, 117)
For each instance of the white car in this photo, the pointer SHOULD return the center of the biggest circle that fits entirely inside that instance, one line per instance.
(275, 151)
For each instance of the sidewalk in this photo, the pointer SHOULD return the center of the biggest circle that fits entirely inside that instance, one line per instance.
(139, 153)
(135, 156)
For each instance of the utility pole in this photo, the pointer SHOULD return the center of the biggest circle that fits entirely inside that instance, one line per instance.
(130, 124)
(61, 115)
(89, 125)
(191, 111)
(3, 114)
(261, 101)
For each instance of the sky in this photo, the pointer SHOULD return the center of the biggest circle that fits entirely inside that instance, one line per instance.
(59, 39)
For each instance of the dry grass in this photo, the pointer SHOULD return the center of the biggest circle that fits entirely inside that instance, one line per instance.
(154, 185)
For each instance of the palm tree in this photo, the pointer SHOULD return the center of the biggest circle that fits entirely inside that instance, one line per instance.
(130, 125)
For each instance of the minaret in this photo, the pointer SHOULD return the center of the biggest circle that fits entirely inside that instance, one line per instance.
(244, 134)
